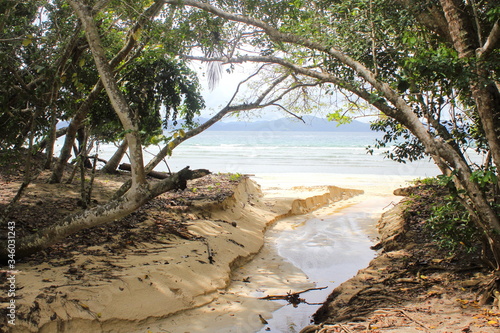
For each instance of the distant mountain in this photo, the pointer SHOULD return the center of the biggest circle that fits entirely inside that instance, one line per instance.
(310, 124)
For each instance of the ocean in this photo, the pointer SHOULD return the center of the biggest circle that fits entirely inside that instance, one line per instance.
(272, 152)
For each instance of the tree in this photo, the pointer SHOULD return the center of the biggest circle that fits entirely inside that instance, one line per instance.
(121, 57)
(137, 84)
(141, 191)
(414, 78)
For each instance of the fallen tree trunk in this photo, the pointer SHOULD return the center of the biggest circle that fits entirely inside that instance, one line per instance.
(114, 161)
(154, 174)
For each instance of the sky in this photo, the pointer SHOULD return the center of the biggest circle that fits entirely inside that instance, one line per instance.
(222, 93)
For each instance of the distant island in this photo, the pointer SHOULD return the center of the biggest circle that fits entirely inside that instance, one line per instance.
(310, 124)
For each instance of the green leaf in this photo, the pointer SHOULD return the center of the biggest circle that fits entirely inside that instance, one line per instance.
(340, 117)
(154, 140)
(137, 35)
(27, 41)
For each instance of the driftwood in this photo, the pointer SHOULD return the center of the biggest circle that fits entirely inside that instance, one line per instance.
(293, 298)
(154, 174)
(210, 252)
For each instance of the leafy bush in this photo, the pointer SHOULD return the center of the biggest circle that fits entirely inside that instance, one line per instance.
(446, 219)
(235, 176)
(450, 225)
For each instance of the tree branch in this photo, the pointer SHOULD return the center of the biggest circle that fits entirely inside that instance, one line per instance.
(491, 43)
(167, 149)
(244, 81)
(289, 112)
(322, 76)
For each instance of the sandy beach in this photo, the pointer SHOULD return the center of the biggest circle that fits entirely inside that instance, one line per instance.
(130, 290)
(201, 260)
(237, 309)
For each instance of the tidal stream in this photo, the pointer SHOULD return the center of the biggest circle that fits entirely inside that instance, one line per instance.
(329, 247)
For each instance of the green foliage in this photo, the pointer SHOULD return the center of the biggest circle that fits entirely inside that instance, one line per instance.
(426, 181)
(47, 70)
(451, 226)
(340, 117)
(437, 208)
(160, 91)
(22, 43)
(235, 177)
(486, 178)
(447, 219)
(404, 145)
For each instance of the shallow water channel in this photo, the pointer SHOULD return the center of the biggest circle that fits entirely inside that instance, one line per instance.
(320, 249)
(329, 246)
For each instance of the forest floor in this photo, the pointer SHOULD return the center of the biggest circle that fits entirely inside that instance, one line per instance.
(128, 262)
(44, 203)
(413, 285)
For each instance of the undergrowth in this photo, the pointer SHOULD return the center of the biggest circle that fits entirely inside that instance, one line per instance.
(443, 216)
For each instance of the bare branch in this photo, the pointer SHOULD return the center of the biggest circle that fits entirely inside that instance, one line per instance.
(289, 112)
(491, 43)
(323, 77)
(244, 81)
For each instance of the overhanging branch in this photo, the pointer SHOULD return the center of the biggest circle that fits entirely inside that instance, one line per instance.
(491, 43)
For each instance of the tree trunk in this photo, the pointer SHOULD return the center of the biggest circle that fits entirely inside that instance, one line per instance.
(114, 161)
(51, 140)
(74, 125)
(127, 117)
(154, 174)
(484, 90)
(487, 97)
(60, 132)
(77, 120)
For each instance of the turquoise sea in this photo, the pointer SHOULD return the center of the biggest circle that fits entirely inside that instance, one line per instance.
(255, 152)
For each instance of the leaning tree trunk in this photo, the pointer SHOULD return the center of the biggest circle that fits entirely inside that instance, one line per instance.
(484, 90)
(112, 165)
(77, 120)
(126, 115)
(487, 99)
(74, 125)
